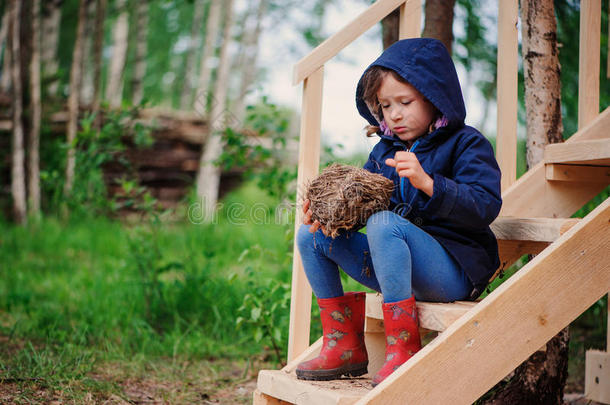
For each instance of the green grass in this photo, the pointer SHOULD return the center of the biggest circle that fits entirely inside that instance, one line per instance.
(80, 293)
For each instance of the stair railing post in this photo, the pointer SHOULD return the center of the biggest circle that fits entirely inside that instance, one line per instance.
(410, 19)
(588, 74)
(589, 60)
(508, 54)
(308, 166)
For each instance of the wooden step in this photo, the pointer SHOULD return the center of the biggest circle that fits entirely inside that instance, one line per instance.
(577, 173)
(592, 152)
(531, 229)
(520, 236)
(285, 386)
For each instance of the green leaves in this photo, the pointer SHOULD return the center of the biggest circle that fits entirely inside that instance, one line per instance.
(265, 308)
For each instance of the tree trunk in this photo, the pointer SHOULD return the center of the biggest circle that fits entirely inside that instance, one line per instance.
(86, 88)
(211, 35)
(35, 115)
(439, 21)
(541, 72)
(186, 99)
(541, 378)
(5, 76)
(73, 98)
(17, 166)
(114, 89)
(141, 46)
(247, 67)
(390, 28)
(50, 39)
(98, 46)
(208, 178)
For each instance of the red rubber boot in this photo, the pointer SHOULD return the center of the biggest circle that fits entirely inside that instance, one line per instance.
(402, 336)
(343, 351)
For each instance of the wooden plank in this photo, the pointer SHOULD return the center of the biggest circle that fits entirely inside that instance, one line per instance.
(258, 398)
(577, 173)
(533, 197)
(589, 61)
(508, 60)
(432, 315)
(531, 229)
(308, 166)
(597, 376)
(410, 20)
(333, 45)
(593, 152)
(287, 387)
(513, 322)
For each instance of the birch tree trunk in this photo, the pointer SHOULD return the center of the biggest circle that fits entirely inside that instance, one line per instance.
(98, 45)
(247, 67)
(114, 89)
(73, 98)
(439, 21)
(35, 115)
(5, 79)
(86, 88)
(208, 178)
(141, 46)
(541, 378)
(211, 36)
(17, 166)
(186, 98)
(50, 39)
(541, 72)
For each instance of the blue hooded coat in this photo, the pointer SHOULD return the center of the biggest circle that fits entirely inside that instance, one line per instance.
(466, 197)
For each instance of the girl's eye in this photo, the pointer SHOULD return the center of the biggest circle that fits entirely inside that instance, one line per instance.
(385, 105)
(406, 102)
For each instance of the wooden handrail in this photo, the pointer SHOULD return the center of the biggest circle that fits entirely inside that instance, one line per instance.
(333, 45)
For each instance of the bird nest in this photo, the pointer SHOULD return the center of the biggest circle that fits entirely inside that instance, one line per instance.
(343, 197)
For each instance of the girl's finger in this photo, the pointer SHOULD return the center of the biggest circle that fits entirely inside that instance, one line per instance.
(306, 205)
(307, 217)
(405, 173)
(404, 165)
(315, 226)
(390, 162)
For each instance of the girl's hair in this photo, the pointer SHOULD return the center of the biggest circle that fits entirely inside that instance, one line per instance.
(371, 82)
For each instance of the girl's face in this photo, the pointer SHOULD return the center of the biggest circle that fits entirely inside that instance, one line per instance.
(405, 110)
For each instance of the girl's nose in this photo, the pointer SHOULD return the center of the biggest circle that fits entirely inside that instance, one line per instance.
(395, 114)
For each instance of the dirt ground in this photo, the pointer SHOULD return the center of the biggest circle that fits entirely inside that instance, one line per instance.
(132, 390)
(228, 389)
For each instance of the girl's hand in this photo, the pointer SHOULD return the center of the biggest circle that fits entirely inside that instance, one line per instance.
(408, 166)
(315, 225)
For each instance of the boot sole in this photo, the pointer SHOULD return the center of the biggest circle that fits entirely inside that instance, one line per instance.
(354, 370)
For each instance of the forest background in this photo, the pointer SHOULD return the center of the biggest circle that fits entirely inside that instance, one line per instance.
(118, 283)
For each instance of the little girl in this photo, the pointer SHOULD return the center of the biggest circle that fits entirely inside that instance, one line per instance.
(434, 242)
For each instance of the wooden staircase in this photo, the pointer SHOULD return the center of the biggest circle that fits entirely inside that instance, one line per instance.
(479, 343)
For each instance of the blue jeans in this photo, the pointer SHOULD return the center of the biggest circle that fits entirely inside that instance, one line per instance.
(395, 258)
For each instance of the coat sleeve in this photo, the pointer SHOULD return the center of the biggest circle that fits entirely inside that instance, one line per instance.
(372, 164)
(472, 197)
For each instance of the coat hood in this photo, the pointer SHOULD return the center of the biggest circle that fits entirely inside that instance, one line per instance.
(427, 66)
